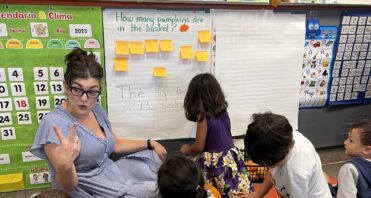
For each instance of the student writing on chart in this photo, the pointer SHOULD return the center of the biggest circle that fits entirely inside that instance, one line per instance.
(214, 150)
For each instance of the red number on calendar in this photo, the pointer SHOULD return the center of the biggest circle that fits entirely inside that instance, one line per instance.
(21, 103)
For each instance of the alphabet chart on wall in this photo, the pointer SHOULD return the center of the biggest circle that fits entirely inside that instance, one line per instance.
(33, 43)
(350, 77)
(317, 58)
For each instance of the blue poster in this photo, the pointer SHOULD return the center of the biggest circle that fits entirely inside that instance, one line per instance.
(350, 76)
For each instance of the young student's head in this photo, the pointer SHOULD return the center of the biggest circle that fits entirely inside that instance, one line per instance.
(204, 98)
(358, 143)
(82, 65)
(180, 177)
(268, 138)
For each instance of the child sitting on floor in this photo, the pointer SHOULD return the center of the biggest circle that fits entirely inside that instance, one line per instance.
(182, 178)
(295, 167)
(354, 179)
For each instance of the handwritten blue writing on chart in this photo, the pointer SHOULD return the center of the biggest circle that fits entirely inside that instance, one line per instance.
(134, 23)
(152, 99)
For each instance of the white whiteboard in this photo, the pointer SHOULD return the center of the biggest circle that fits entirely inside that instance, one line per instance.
(140, 105)
(258, 63)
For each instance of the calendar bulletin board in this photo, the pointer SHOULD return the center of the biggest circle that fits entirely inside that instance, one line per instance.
(350, 77)
(33, 43)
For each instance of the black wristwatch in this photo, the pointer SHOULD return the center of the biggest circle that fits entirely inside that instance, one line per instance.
(149, 146)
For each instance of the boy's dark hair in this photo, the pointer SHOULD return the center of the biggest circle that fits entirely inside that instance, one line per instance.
(204, 97)
(82, 65)
(365, 135)
(268, 138)
(180, 177)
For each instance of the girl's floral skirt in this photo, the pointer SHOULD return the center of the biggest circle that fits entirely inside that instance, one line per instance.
(225, 170)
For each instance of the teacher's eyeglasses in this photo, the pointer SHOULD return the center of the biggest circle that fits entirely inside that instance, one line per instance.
(94, 94)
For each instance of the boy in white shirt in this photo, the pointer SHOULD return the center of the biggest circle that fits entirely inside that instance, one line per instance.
(295, 167)
(354, 179)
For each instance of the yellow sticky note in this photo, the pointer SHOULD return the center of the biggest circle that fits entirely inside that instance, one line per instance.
(159, 71)
(122, 47)
(186, 52)
(166, 45)
(202, 56)
(204, 36)
(151, 45)
(120, 64)
(136, 47)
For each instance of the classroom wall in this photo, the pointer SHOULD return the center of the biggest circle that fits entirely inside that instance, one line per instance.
(328, 127)
(325, 127)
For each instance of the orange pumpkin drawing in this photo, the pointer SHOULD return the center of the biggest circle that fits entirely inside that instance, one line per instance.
(184, 28)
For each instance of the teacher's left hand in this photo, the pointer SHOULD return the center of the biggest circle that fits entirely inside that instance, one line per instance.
(159, 149)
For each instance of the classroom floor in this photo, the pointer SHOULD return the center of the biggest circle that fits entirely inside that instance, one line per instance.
(332, 159)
